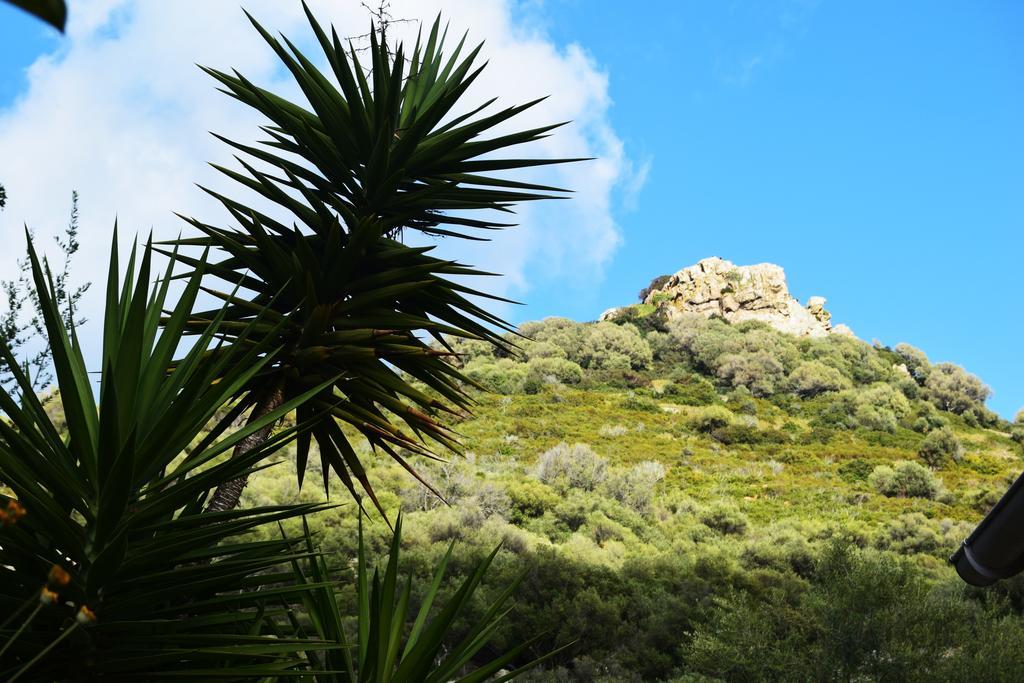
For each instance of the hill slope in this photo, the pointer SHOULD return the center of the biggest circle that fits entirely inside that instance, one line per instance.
(693, 497)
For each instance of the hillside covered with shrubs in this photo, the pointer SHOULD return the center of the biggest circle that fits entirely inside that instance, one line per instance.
(694, 500)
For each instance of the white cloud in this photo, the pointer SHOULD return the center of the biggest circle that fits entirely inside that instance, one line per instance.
(122, 114)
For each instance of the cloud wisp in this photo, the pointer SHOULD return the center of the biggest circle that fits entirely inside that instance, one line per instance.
(122, 114)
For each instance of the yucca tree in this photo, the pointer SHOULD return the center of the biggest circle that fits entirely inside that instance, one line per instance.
(109, 567)
(334, 289)
(384, 647)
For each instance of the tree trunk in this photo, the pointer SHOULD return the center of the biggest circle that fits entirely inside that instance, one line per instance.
(227, 495)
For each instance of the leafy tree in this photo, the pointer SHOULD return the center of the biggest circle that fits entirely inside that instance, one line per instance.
(880, 407)
(758, 371)
(915, 360)
(905, 479)
(541, 370)
(375, 158)
(29, 336)
(607, 346)
(939, 447)
(811, 378)
(953, 389)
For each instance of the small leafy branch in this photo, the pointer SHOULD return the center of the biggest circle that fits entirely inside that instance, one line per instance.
(22, 298)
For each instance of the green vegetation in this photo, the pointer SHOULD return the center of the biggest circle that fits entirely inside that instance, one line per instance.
(641, 499)
(682, 525)
(123, 554)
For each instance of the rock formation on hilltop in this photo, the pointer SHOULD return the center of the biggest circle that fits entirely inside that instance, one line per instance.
(715, 286)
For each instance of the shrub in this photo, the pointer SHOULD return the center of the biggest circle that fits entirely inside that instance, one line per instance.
(811, 378)
(853, 358)
(930, 419)
(905, 480)
(740, 401)
(692, 390)
(612, 431)
(856, 470)
(563, 333)
(758, 371)
(711, 418)
(576, 466)
(530, 498)
(470, 349)
(531, 349)
(634, 487)
(783, 549)
(939, 447)
(552, 369)
(502, 376)
(607, 346)
(910, 533)
(725, 519)
(880, 407)
(953, 389)
(656, 283)
(634, 401)
(981, 415)
(739, 432)
(915, 360)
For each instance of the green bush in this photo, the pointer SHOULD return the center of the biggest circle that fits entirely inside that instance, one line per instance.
(867, 616)
(951, 388)
(725, 519)
(692, 390)
(915, 360)
(530, 498)
(811, 378)
(879, 407)
(502, 376)
(856, 470)
(758, 371)
(562, 333)
(634, 487)
(635, 401)
(740, 432)
(853, 358)
(905, 479)
(930, 419)
(940, 447)
(656, 283)
(576, 466)
(552, 369)
(607, 346)
(531, 349)
(910, 533)
(711, 418)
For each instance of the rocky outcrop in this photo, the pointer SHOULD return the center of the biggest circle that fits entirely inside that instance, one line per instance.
(715, 286)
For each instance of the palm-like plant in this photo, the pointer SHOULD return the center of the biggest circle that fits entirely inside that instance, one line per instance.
(336, 294)
(385, 648)
(108, 565)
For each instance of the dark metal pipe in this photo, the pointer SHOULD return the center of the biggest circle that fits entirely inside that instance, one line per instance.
(995, 549)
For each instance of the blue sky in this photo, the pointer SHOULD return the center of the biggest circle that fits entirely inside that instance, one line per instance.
(875, 150)
(872, 149)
